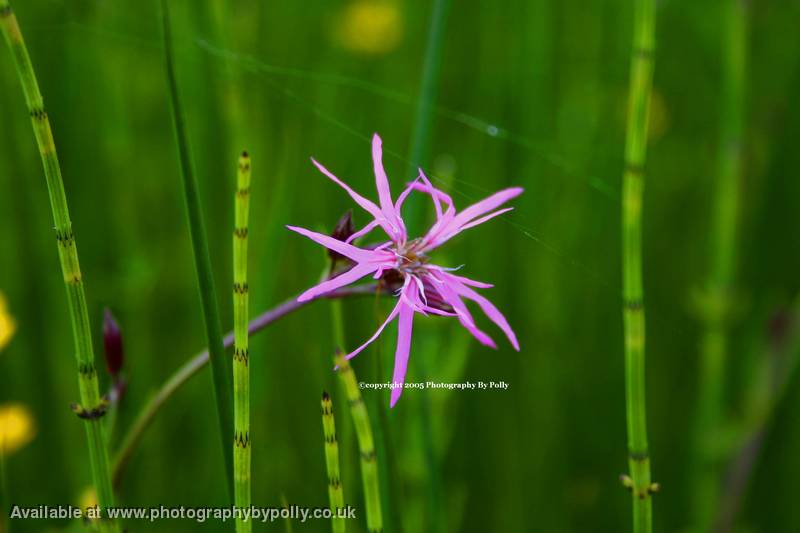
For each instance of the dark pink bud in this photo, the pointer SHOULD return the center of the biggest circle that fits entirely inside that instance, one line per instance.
(343, 230)
(112, 340)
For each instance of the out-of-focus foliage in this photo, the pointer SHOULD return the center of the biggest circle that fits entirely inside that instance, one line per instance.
(532, 93)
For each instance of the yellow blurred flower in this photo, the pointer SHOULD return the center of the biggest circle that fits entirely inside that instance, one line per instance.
(16, 427)
(7, 324)
(369, 27)
(87, 499)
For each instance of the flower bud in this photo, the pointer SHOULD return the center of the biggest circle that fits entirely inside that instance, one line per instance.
(112, 340)
(343, 230)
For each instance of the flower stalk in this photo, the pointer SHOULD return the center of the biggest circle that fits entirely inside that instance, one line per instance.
(92, 406)
(241, 367)
(335, 493)
(219, 365)
(366, 445)
(641, 78)
(199, 361)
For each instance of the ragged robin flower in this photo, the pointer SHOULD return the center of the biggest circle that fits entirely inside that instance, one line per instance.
(422, 287)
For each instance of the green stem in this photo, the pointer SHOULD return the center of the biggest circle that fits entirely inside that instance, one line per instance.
(718, 298)
(219, 364)
(420, 152)
(390, 492)
(428, 89)
(91, 405)
(345, 435)
(199, 361)
(241, 354)
(335, 493)
(641, 79)
(366, 445)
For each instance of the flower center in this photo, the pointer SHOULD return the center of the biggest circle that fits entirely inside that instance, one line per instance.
(409, 259)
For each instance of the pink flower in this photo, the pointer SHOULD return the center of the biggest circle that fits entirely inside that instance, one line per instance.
(423, 287)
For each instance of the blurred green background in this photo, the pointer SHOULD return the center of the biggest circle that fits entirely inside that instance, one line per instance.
(531, 93)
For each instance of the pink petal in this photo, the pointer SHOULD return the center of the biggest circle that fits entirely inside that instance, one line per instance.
(402, 198)
(368, 206)
(363, 231)
(346, 278)
(470, 282)
(358, 255)
(439, 312)
(437, 204)
(463, 313)
(384, 191)
(488, 308)
(466, 218)
(391, 317)
(487, 204)
(429, 189)
(431, 239)
(485, 218)
(404, 327)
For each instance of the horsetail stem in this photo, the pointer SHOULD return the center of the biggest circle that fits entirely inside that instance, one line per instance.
(641, 78)
(715, 310)
(366, 446)
(205, 280)
(92, 407)
(241, 368)
(335, 494)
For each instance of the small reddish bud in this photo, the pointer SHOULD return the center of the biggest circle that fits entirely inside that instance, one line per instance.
(112, 340)
(343, 230)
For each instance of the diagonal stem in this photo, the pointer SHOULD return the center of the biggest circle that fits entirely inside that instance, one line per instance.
(92, 407)
(220, 369)
(196, 363)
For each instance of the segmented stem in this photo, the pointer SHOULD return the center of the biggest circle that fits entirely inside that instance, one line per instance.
(220, 368)
(241, 367)
(92, 407)
(335, 493)
(366, 445)
(641, 77)
(716, 300)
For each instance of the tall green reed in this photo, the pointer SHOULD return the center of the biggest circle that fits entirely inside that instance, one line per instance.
(717, 300)
(428, 89)
(92, 406)
(241, 354)
(335, 493)
(366, 445)
(641, 80)
(418, 155)
(220, 368)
